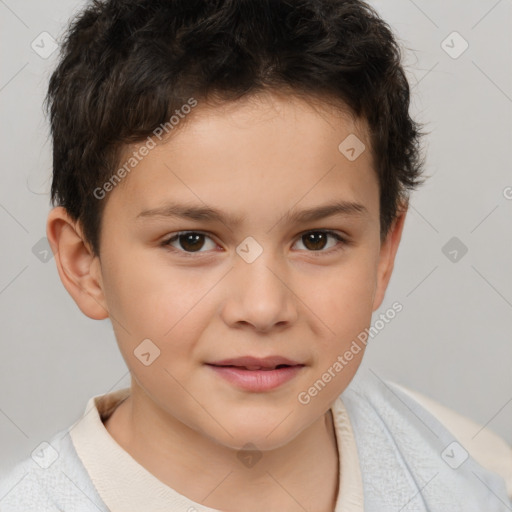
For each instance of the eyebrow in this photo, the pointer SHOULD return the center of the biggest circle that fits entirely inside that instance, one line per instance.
(207, 214)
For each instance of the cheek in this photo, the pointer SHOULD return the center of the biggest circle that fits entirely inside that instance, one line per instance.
(142, 290)
(156, 302)
(342, 299)
(346, 308)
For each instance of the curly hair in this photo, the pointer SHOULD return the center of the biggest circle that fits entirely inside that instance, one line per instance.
(126, 65)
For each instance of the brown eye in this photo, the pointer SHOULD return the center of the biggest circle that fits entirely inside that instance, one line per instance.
(191, 241)
(188, 241)
(316, 241)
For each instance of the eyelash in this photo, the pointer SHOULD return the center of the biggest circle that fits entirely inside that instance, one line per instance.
(343, 242)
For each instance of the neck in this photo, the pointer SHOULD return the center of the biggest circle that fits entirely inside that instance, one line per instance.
(301, 475)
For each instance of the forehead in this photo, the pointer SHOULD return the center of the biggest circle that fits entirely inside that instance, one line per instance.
(266, 154)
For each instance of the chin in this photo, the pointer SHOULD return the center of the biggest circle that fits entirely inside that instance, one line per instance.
(244, 442)
(262, 435)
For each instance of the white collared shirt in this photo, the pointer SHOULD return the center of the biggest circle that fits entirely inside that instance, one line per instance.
(125, 485)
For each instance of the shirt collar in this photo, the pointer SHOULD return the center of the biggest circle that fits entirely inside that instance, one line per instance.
(125, 485)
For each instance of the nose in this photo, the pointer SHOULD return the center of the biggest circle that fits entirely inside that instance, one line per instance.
(259, 295)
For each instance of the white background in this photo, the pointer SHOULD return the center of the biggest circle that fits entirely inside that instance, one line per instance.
(452, 341)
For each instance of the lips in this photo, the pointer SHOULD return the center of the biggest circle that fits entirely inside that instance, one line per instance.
(257, 375)
(255, 363)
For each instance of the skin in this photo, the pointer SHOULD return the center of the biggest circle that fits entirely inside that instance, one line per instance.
(261, 157)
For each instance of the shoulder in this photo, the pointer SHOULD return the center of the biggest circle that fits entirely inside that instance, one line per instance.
(398, 429)
(51, 479)
(485, 446)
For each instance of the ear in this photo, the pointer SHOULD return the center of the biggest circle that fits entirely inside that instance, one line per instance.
(79, 269)
(387, 256)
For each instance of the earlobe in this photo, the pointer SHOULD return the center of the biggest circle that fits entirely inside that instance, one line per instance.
(387, 256)
(77, 265)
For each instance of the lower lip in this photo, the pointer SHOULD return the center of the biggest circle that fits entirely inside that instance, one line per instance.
(257, 380)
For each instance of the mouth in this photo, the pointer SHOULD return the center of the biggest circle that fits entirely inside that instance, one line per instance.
(257, 378)
(255, 367)
(257, 363)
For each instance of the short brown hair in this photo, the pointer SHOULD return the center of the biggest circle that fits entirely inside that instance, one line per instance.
(127, 65)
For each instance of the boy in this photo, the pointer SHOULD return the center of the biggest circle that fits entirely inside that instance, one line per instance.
(232, 182)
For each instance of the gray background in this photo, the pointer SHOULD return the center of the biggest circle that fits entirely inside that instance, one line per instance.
(452, 340)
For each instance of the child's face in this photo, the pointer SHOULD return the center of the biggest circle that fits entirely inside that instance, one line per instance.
(200, 301)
